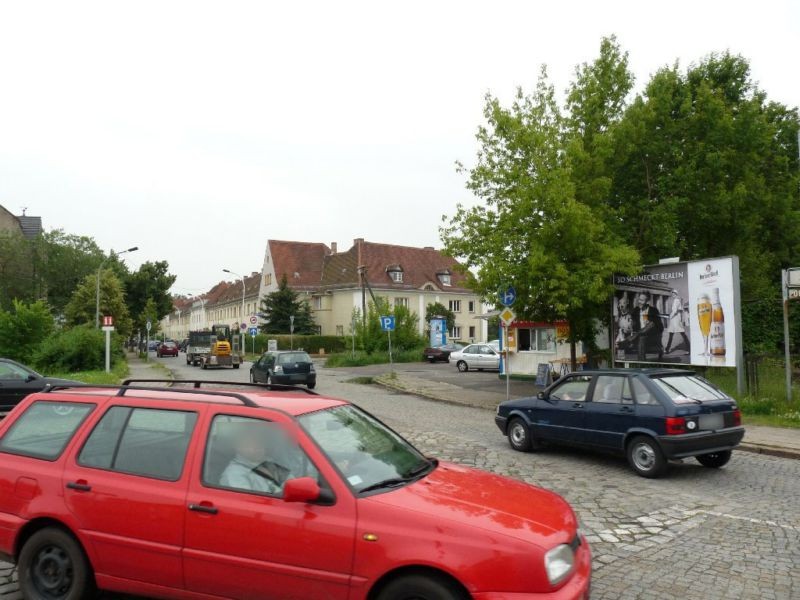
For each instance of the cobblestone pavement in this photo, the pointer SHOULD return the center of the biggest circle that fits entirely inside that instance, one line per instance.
(696, 534)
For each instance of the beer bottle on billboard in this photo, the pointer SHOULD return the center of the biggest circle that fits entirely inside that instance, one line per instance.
(717, 341)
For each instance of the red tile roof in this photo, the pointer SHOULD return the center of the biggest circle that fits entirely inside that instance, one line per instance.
(301, 262)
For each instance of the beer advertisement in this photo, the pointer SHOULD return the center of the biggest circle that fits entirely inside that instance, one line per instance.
(678, 313)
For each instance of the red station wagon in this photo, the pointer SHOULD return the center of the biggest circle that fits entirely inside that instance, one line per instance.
(259, 494)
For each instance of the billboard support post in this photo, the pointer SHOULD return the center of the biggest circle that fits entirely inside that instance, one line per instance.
(787, 352)
(737, 329)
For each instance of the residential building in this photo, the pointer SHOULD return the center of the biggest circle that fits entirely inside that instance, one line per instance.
(335, 283)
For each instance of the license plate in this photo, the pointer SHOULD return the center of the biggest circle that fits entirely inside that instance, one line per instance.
(712, 422)
(430, 356)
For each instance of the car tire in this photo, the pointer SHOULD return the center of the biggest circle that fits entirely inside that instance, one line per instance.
(52, 565)
(645, 457)
(422, 587)
(519, 435)
(204, 364)
(188, 362)
(462, 366)
(270, 381)
(235, 366)
(715, 460)
(311, 386)
(252, 377)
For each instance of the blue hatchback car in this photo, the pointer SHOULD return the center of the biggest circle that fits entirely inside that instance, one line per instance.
(649, 415)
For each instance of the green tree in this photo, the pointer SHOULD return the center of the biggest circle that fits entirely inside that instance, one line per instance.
(149, 313)
(17, 276)
(149, 283)
(23, 329)
(531, 231)
(81, 308)
(280, 305)
(62, 262)
(371, 338)
(437, 309)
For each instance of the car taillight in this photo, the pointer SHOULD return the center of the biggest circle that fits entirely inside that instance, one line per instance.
(737, 417)
(676, 425)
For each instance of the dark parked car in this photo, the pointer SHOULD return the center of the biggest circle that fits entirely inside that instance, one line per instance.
(650, 415)
(284, 367)
(442, 353)
(17, 381)
(167, 349)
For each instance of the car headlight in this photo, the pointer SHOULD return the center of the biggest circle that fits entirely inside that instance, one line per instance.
(311, 368)
(558, 563)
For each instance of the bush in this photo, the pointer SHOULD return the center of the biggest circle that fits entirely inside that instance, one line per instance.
(310, 343)
(361, 359)
(78, 349)
(23, 330)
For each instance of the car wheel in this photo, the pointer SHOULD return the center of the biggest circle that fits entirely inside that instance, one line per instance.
(462, 366)
(311, 386)
(204, 365)
(236, 366)
(422, 587)
(645, 457)
(519, 436)
(270, 381)
(52, 565)
(188, 362)
(252, 377)
(714, 460)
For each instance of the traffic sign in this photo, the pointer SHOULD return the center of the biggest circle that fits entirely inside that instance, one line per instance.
(253, 320)
(148, 325)
(507, 316)
(254, 331)
(108, 320)
(508, 296)
(794, 293)
(242, 326)
(387, 323)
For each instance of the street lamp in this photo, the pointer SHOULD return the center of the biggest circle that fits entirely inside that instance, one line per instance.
(97, 294)
(241, 320)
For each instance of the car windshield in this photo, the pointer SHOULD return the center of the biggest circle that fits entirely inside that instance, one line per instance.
(293, 357)
(369, 455)
(683, 389)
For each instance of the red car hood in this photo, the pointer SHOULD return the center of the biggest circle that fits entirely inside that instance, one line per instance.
(489, 502)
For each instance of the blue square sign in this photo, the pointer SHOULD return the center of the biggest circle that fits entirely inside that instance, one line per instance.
(387, 323)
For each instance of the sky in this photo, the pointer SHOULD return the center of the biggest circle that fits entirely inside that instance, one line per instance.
(198, 130)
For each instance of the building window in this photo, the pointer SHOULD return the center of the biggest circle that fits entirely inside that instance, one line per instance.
(268, 279)
(397, 276)
(317, 302)
(472, 332)
(401, 302)
(471, 306)
(444, 279)
(340, 330)
(539, 339)
(455, 333)
(454, 306)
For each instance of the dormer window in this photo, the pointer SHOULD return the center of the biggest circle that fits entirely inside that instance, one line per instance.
(444, 277)
(395, 273)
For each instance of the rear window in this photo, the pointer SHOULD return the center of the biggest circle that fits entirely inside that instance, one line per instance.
(45, 429)
(293, 357)
(685, 389)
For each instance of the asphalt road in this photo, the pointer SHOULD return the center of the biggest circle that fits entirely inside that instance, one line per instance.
(696, 534)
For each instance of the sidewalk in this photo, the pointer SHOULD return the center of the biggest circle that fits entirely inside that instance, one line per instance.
(140, 369)
(775, 441)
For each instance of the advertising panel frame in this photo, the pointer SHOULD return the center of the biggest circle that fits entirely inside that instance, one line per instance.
(681, 314)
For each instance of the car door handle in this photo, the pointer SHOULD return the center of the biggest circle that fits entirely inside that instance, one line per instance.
(626, 409)
(204, 508)
(79, 486)
(577, 405)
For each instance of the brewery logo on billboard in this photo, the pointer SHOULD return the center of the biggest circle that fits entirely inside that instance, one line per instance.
(710, 275)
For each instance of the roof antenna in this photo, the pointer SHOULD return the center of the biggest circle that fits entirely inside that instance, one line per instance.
(24, 208)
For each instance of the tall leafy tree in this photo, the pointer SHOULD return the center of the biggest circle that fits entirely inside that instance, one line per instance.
(150, 282)
(278, 306)
(23, 329)
(81, 308)
(437, 309)
(531, 230)
(17, 275)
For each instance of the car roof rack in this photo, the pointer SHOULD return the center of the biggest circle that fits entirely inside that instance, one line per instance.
(121, 389)
(196, 383)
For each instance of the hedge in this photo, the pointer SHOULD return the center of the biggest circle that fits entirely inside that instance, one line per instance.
(313, 344)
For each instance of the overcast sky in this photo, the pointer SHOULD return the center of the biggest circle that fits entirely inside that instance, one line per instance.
(197, 131)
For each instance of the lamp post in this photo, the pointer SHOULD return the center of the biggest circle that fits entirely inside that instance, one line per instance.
(241, 316)
(97, 294)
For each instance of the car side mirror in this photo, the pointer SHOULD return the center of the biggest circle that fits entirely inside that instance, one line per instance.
(30, 377)
(305, 489)
(540, 396)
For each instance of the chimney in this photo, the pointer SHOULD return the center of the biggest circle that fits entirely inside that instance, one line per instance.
(333, 247)
(358, 241)
(428, 248)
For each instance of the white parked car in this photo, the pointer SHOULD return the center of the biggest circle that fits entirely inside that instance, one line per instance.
(476, 356)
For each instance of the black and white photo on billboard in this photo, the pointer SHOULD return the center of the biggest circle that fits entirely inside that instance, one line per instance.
(650, 318)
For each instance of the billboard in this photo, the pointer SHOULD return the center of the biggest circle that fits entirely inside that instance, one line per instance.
(679, 313)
